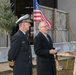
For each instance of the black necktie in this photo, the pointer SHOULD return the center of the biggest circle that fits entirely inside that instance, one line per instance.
(26, 36)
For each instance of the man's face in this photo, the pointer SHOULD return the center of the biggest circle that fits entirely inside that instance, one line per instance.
(26, 26)
(44, 28)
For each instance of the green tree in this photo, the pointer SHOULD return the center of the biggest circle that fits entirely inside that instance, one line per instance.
(7, 17)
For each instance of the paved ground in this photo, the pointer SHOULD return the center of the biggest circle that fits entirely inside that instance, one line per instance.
(4, 67)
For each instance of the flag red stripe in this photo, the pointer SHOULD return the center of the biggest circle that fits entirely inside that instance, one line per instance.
(37, 20)
(37, 16)
(37, 12)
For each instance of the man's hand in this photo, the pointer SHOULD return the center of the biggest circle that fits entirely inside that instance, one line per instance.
(52, 51)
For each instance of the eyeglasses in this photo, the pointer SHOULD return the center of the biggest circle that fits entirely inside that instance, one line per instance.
(45, 26)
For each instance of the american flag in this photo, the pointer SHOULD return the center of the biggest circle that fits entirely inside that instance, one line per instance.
(38, 15)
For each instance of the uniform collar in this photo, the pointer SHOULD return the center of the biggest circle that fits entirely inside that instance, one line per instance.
(23, 32)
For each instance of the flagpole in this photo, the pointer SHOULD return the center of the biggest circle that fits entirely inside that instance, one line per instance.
(33, 17)
(34, 29)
